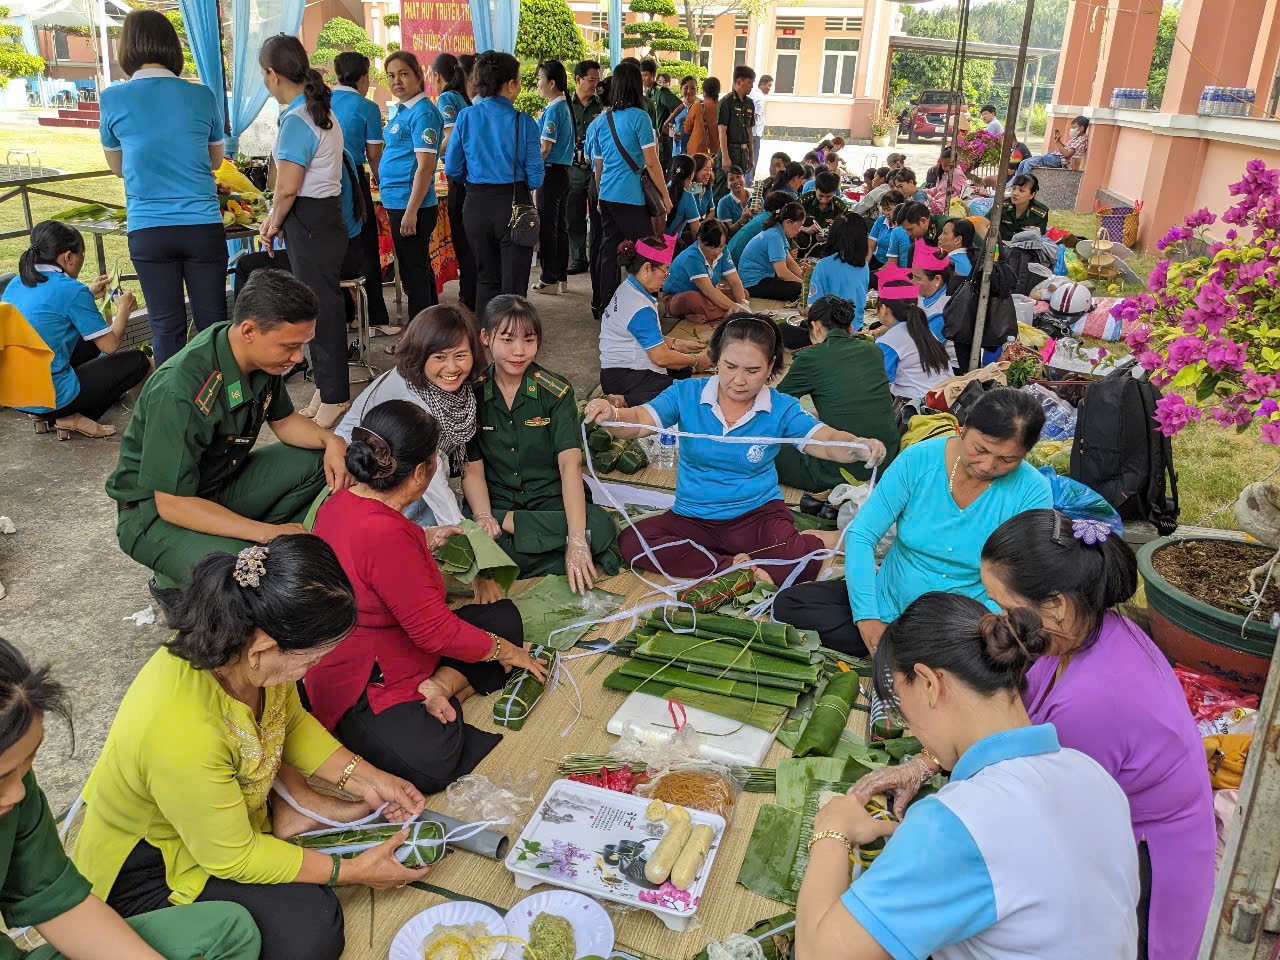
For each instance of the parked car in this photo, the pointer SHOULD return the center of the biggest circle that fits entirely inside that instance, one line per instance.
(934, 115)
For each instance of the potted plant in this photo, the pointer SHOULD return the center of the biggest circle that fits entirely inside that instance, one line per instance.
(882, 124)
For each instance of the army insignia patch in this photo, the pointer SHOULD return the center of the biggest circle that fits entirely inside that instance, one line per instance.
(209, 392)
(235, 394)
(555, 386)
(538, 422)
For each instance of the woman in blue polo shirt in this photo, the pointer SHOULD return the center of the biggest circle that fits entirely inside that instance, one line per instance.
(624, 145)
(634, 355)
(449, 75)
(497, 150)
(307, 208)
(729, 508)
(956, 241)
(1028, 850)
(844, 273)
(790, 179)
(406, 178)
(361, 123)
(766, 266)
(89, 370)
(773, 202)
(557, 139)
(684, 203)
(693, 285)
(912, 223)
(164, 136)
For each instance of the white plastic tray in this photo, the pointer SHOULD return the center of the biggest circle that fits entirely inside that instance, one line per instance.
(572, 842)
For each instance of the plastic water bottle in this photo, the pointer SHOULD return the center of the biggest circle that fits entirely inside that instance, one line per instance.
(667, 451)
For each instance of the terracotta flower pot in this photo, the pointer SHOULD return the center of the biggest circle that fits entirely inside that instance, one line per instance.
(1201, 636)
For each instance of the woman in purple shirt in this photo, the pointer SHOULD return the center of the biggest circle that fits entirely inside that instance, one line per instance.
(1112, 694)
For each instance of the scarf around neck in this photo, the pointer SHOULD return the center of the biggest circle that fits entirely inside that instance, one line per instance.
(455, 413)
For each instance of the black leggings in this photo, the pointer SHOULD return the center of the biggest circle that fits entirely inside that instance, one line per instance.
(298, 921)
(316, 236)
(634, 386)
(104, 379)
(502, 266)
(168, 257)
(414, 256)
(461, 246)
(619, 221)
(553, 211)
(775, 288)
(408, 742)
(822, 606)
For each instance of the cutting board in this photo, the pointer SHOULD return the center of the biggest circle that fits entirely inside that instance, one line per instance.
(729, 742)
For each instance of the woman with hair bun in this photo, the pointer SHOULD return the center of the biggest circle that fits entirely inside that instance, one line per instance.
(772, 203)
(180, 805)
(766, 266)
(1026, 852)
(393, 690)
(634, 354)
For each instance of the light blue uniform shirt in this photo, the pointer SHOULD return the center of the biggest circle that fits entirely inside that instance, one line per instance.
(960, 262)
(833, 275)
(678, 141)
(556, 125)
(317, 150)
(635, 132)
(61, 310)
(880, 234)
(762, 253)
(483, 145)
(786, 188)
(729, 208)
(416, 128)
(720, 481)
(900, 247)
(164, 125)
(685, 210)
(360, 119)
(933, 307)
(450, 104)
(1026, 852)
(692, 263)
(938, 545)
(750, 230)
(628, 328)
(809, 186)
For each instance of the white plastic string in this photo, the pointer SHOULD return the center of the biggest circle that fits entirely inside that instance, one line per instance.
(281, 789)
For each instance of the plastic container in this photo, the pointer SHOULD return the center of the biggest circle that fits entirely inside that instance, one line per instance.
(667, 451)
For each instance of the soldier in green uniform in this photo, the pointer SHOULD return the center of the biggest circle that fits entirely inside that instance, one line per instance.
(736, 116)
(523, 479)
(659, 102)
(1022, 210)
(189, 481)
(825, 206)
(585, 107)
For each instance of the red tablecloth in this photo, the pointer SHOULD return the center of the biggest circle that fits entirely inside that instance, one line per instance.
(444, 262)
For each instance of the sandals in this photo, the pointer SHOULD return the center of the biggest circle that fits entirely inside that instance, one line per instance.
(65, 426)
(387, 330)
(309, 411)
(550, 289)
(329, 414)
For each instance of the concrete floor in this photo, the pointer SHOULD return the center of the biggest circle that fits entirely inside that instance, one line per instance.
(71, 589)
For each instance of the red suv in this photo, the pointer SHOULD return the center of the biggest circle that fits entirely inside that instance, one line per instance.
(934, 114)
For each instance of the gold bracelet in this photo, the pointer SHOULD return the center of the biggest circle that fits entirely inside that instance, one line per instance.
(347, 771)
(831, 835)
(497, 648)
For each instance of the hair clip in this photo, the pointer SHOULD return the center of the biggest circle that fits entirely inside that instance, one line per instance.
(381, 451)
(1090, 531)
(251, 566)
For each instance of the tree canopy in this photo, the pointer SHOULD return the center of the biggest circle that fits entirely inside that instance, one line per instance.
(549, 32)
(1163, 53)
(14, 59)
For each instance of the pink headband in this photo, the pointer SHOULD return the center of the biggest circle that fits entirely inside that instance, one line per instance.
(926, 257)
(891, 272)
(900, 291)
(663, 254)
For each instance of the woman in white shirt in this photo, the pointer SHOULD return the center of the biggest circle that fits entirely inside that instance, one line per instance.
(915, 360)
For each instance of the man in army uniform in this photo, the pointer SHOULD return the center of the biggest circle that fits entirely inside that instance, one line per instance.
(824, 206)
(189, 481)
(585, 107)
(736, 117)
(659, 103)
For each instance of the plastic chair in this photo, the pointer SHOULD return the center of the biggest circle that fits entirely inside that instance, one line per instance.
(358, 356)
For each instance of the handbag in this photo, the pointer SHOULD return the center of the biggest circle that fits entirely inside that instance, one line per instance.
(653, 200)
(525, 225)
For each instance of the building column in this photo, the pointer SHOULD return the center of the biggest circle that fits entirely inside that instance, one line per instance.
(1168, 198)
(1266, 55)
(1127, 47)
(1214, 31)
(1077, 64)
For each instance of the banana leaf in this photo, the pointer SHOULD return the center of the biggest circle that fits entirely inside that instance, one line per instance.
(829, 716)
(632, 459)
(551, 604)
(795, 774)
(765, 716)
(900, 747)
(353, 841)
(522, 691)
(714, 593)
(813, 799)
(473, 553)
(683, 648)
(766, 868)
(599, 440)
(750, 692)
(108, 306)
(797, 685)
(85, 212)
(789, 732)
(774, 634)
(871, 757)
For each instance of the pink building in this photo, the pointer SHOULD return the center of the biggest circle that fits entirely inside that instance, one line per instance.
(1174, 160)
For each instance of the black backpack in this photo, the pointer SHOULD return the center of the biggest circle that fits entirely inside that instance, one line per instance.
(1119, 453)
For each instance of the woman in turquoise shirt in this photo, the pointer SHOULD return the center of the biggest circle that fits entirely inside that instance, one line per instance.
(164, 136)
(844, 273)
(89, 371)
(557, 137)
(946, 495)
(773, 202)
(767, 267)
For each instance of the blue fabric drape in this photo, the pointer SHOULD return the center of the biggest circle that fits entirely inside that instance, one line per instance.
(29, 42)
(482, 25)
(252, 22)
(615, 32)
(495, 24)
(205, 38)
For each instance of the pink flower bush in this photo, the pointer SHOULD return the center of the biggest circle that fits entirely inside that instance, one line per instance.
(1208, 327)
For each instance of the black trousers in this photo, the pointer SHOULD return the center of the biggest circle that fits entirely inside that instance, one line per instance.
(501, 265)
(414, 256)
(635, 386)
(316, 236)
(461, 246)
(407, 741)
(352, 267)
(576, 206)
(822, 606)
(621, 221)
(775, 288)
(104, 378)
(168, 257)
(298, 921)
(370, 264)
(553, 211)
(594, 252)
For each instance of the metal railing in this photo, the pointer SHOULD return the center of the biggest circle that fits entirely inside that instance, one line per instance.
(25, 187)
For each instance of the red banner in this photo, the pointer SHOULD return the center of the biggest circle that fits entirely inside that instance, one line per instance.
(430, 27)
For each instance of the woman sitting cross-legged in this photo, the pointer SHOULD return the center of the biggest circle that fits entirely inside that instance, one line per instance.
(727, 495)
(844, 273)
(38, 884)
(845, 376)
(634, 355)
(946, 495)
(766, 266)
(409, 651)
(694, 282)
(179, 806)
(1026, 852)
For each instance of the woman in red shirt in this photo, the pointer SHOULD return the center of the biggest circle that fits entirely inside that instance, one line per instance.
(392, 690)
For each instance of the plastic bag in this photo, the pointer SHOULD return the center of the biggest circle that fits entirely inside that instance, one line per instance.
(700, 785)
(1080, 502)
(475, 797)
(1210, 697)
(1059, 416)
(850, 498)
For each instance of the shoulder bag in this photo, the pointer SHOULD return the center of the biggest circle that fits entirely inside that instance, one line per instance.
(525, 224)
(653, 202)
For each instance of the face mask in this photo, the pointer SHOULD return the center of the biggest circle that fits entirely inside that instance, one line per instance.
(696, 189)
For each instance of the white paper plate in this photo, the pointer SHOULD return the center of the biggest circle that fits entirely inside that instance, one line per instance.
(592, 928)
(408, 942)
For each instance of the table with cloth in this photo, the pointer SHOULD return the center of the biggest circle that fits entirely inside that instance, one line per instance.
(444, 262)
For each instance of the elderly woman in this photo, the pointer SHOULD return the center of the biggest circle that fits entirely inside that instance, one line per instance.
(409, 651)
(946, 495)
(727, 498)
(1026, 852)
(179, 805)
